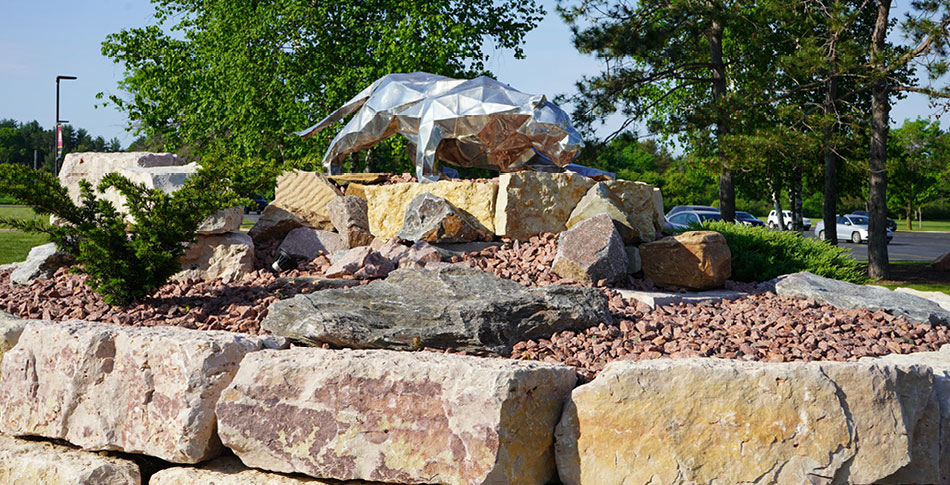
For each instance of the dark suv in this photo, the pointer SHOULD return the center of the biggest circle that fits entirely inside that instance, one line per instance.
(257, 205)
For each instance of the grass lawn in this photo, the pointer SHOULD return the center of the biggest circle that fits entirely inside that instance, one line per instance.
(943, 226)
(15, 245)
(916, 275)
(17, 212)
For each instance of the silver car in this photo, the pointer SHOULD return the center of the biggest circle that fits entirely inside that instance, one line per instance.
(850, 227)
(684, 218)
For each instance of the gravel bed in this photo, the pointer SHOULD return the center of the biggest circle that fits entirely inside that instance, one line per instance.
(761, 326)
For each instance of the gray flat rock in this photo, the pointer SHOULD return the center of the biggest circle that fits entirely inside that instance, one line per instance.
(662, 298)
(452, 307)
(842, 294)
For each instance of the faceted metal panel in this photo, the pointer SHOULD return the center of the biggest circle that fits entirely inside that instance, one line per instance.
(479, 123)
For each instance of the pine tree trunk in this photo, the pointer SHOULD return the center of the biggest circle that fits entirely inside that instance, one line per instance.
(795, 199)
(877, 194)
(777, 206)
(727, 187)
(829, 209)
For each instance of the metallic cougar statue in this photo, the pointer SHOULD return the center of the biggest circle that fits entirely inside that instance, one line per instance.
(477, 122)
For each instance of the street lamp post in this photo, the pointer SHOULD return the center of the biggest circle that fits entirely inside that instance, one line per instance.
(59, 126)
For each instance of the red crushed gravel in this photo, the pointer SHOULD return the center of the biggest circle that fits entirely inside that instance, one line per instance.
(761, 326)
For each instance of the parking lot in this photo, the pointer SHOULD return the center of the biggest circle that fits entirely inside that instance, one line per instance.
(906, 246)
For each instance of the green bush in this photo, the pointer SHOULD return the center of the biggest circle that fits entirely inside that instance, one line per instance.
(124, 260)
(759, 254)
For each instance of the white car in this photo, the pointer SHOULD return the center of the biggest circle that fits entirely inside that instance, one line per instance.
(787, 218)
(849, 227)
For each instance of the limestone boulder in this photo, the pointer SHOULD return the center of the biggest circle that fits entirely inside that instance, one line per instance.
(433, 418)
(696, 260)
(433, 219)
(599, 200)
(228, 256)
(842, 294)
(360, 263)
(108, 387)
(41, 263)
(454, 307)
(937, 297)
(637, 199)
(634, 263)
(530, 203)
(348, 214)
(659, 211)
(275, 223)
(92, 166)
(229, 471)
(942, 263)
(306, 243)
(306, 195)
(37, 462)
(724, 421)
(591, 251)
(225, 220)
(387, 203)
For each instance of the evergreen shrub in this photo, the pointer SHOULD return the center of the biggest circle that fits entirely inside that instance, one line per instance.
(759, 254)
(126, 258)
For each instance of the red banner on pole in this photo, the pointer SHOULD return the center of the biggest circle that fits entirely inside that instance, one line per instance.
(59, 141)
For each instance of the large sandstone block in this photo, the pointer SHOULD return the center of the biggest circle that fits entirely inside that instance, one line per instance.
(724, 421)
(432, 418)
(530, 203)
(25, 462)
(307, 194)
(10, 329)
(228, 256)
(696, 260)
(388, 203)
(108, 387)
(92, 166)
(228, 471)
(922, 470)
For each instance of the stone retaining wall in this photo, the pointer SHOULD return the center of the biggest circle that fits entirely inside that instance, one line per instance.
(305, 415)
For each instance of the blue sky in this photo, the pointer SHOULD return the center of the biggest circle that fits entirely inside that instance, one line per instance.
(37, 43)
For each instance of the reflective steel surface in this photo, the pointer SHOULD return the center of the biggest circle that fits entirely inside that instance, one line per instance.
(477, 122)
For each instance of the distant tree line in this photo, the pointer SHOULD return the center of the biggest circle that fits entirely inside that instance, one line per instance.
(29, 143)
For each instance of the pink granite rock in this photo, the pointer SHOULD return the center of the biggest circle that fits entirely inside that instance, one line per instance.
(110, 387)
(419, 255)
(431, 418)
(362, 263)
(590, 251)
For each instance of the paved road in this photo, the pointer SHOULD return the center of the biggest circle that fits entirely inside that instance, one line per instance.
(906, 246)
